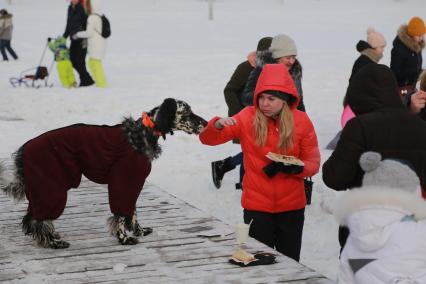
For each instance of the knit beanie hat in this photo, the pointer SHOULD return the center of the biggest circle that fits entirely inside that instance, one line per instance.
(416, 27)
(282, 45)
(264, 43)
(390, 173)
(375, 39)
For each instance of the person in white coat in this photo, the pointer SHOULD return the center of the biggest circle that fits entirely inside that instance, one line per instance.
(96, 44)
(387, 220)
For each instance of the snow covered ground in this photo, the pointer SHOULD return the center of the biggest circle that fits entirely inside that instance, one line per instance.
(169, 48)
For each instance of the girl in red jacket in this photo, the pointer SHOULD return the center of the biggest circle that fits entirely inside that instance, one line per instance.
(273, 197)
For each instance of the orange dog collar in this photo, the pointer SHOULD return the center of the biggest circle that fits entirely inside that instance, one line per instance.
(147, 122)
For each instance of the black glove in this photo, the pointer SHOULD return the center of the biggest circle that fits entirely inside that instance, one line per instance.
(291, 169)
(274, 167)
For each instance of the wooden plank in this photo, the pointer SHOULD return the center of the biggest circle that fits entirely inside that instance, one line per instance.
(176, 251)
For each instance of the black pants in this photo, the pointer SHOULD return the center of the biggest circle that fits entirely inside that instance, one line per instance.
(281, 231)
(5, 45)
(78, 60)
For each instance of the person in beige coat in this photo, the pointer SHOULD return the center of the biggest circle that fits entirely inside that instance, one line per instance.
(96, 43)
(6, 28)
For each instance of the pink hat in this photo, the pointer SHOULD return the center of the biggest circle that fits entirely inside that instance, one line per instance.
(375, 39)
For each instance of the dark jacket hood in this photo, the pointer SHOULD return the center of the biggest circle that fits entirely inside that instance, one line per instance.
(372, 88)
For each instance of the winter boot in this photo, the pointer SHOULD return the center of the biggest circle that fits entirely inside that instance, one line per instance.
(219, 168)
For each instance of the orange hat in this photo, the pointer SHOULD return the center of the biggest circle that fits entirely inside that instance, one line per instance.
(416, 27)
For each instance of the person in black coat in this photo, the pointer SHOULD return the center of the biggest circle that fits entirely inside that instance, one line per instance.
(406, 55)
(282, 51)
(382, 124)
(233, 94)
(76, 21)
(371, 52)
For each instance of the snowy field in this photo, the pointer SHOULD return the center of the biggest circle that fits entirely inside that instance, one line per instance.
(169, 48)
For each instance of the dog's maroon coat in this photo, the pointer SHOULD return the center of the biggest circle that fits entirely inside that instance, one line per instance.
(55, 161)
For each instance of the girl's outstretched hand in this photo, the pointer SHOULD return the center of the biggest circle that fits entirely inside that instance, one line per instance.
(224, 121)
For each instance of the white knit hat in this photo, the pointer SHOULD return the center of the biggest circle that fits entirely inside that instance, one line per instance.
(375, 39)
(388, 173)
(282, 45)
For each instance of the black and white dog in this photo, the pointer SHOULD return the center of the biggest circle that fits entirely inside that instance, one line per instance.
(47, 166)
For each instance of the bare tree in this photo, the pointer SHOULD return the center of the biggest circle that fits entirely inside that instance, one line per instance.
(210, 10)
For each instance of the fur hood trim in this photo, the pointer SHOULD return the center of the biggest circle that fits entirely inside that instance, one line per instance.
(7, 16)
(409, 41)
(371, 54)
(422, 79)
(265, 57)
(377, 197)
(6, 21)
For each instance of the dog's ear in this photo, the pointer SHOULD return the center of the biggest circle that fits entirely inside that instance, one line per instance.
(165, 116)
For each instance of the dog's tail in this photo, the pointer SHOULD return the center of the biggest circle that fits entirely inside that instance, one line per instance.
(15, 188)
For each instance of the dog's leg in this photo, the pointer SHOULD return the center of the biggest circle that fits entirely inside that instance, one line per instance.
(137, 229)
(43, 232)
(119, 226)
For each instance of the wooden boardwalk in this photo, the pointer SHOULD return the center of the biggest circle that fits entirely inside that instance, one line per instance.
(187, 246)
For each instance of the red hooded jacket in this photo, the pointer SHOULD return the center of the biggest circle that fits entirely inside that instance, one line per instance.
(283, 192)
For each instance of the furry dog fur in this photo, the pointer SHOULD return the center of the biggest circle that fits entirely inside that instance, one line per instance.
(119, 156)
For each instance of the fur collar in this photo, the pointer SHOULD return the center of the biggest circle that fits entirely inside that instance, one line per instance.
(409, 41)
(369, 52)
(377, 197)
(142, 139)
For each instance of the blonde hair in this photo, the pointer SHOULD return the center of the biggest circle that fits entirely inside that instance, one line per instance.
(286, 127)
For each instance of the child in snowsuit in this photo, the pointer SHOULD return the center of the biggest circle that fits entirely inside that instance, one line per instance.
(386, 217)
(62, 58)
(96, 43)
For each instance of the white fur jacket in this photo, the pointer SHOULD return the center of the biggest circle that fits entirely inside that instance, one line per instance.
(96, 44)
(387, 240)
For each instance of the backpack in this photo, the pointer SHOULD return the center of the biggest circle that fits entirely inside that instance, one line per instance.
(106, 26)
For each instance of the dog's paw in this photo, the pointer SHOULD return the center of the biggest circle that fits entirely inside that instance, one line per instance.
(146, 231)
(128, 241)
(59, 244)
(139, 231)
